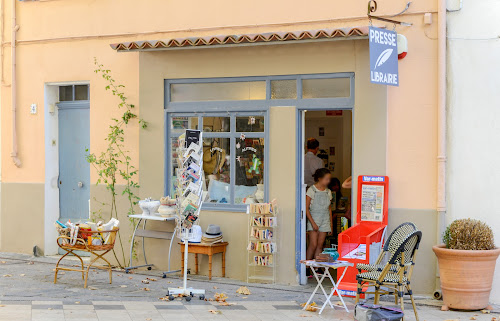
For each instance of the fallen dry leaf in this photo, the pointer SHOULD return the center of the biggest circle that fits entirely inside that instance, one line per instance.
(169, 281)
(130, 278)
(145, 281)
(313, 307)
(226, 304)
(243, 290)
(31, 263)
(220, 297)
(146, 289)
(2, 305)
(149, 319)
(151, 279)
(7, 275)
(3, 262)
(485, 311)
(245, 297)
(472, 318)
(494, 319)
(215, 288)
(123, 286)
(304, 316)
(215, 311)
(22, 274)
(77, 302)
(339, 303)
(92, 288)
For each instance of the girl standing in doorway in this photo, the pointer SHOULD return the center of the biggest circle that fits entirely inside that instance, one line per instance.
(318, 211)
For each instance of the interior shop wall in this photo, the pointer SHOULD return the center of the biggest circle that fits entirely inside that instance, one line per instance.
(337, 134)
(473, 137)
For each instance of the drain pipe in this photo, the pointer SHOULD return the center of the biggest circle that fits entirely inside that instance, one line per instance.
(441, 132)
(13, 88)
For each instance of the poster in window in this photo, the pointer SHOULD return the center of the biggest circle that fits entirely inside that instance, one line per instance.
(180, 122)
(372, 203)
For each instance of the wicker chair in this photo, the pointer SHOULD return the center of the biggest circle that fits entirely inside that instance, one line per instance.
(390, 246)
(97, 251)
(395, 274)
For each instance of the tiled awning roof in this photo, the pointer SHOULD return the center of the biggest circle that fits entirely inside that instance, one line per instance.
(245, 39)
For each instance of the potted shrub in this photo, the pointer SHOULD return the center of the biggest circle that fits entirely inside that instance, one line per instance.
(466, 264)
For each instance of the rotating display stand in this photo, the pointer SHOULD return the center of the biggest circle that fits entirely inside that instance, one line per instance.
(189, 195)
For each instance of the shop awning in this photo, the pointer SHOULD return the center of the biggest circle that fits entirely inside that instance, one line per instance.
(245, 39)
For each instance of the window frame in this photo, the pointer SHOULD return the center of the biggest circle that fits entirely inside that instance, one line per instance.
(73, 93)
(243, 107)
(232, 135)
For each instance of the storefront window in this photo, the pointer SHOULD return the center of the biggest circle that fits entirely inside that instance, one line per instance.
(233, 114)
(230, 140)
(249, 171)
(326, 88)
(216, 124)
(284, 89)
(250, 124)
(216, 165)
(179, 124)
(218, 91)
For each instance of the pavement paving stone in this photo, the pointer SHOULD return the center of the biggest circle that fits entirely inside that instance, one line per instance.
(113, 307)
(47, 307)
(34, 297)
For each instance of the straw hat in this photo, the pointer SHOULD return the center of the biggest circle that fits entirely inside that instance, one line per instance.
(212, 231)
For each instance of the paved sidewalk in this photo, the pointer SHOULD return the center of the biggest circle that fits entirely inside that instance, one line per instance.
(28, 293)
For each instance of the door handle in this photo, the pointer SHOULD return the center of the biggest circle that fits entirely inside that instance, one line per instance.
(80, 184)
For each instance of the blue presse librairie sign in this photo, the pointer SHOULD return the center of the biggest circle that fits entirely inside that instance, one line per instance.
(383, 56)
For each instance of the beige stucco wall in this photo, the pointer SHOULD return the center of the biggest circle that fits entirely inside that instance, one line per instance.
(394, 128)
(370, 117)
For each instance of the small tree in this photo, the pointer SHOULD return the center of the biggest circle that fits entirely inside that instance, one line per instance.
(115, 162)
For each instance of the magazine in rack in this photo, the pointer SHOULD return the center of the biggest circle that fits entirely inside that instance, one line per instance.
(189, 194)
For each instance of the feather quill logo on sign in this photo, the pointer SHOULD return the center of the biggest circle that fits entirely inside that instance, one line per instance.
(383, 57)
(383, 60)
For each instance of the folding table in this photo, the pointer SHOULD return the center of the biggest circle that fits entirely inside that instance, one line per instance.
(144, 233)
(326, 266)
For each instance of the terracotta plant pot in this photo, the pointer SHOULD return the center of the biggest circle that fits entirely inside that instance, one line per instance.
(466, 276)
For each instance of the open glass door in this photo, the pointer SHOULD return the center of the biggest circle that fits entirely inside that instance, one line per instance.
(300, 150)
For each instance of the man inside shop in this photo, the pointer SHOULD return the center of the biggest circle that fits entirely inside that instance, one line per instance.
(311, 161)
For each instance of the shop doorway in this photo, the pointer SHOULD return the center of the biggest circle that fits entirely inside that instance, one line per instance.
(333, 129)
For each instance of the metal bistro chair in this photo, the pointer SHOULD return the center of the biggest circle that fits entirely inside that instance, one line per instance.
(396, 273)
(390, 246)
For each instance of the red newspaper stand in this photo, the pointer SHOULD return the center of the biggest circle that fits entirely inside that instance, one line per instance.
(362, 242)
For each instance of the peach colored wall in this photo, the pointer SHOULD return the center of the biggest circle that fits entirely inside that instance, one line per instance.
(57, 41)
(412, 122)
(56, 19)
(59, 62)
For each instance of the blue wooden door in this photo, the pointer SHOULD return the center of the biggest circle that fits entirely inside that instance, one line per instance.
(74, 170)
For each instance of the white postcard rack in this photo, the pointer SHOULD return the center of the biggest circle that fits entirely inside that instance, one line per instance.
(189, 195)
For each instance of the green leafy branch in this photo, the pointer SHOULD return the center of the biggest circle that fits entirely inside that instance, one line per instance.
(115, 162)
